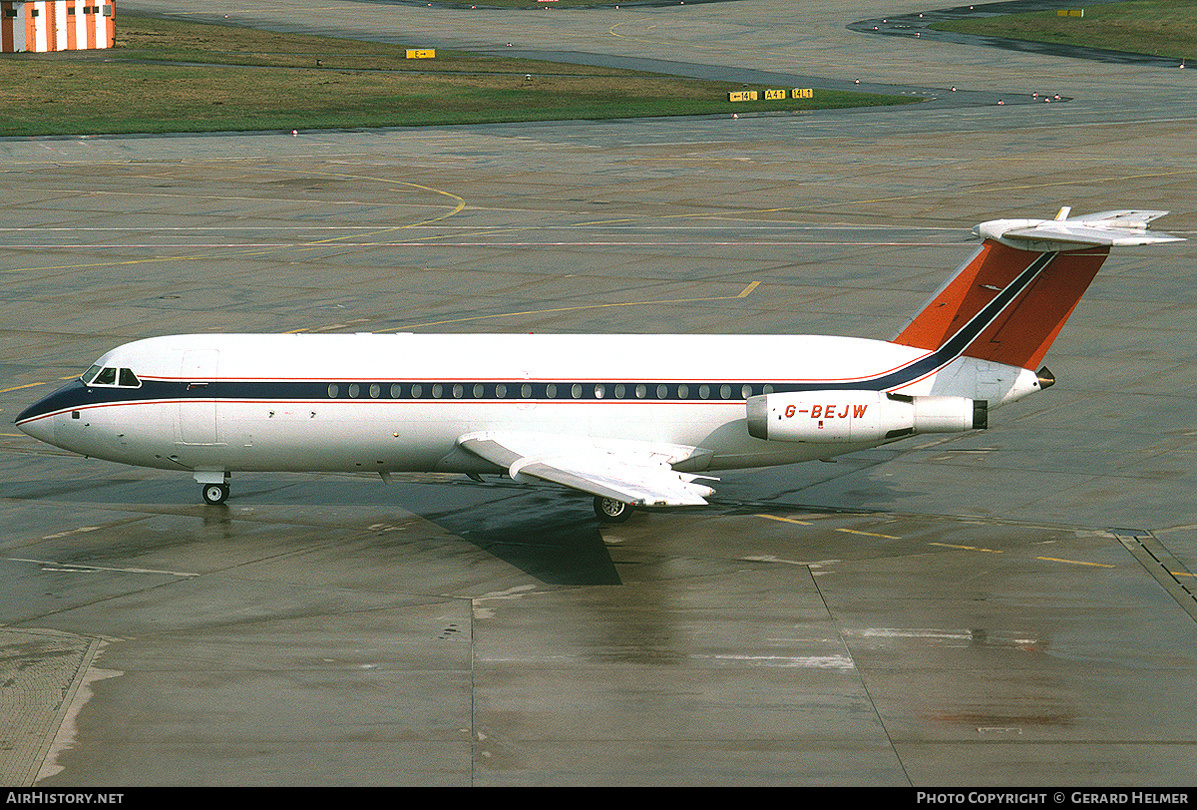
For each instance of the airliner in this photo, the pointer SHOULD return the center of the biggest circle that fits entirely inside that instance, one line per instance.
(629, 419)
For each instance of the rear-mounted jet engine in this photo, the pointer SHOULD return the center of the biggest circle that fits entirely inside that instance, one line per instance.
(860, 416)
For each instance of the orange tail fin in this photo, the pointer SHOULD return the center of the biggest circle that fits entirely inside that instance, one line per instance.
(1007, 303)
(1027, 318)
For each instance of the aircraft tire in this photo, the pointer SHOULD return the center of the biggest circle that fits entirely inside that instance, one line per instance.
(610, 510)
(216, 494)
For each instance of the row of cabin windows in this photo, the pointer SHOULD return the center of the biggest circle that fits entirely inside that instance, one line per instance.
(550, 391)
(110, 376)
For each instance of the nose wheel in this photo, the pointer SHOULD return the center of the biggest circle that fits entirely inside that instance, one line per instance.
(216, 493)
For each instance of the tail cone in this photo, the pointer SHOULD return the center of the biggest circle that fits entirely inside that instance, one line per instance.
(1046, 378)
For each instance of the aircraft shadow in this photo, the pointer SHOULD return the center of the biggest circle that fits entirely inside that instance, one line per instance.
(548, 534)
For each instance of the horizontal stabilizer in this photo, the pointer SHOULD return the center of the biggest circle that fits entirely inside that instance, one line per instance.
(1108, 228)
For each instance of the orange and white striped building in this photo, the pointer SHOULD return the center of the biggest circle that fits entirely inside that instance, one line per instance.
(56, 25)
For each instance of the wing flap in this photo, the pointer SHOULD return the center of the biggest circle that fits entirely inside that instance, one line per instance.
(639, 473)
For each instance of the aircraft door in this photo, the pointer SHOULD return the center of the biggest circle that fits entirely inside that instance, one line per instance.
(197, 408)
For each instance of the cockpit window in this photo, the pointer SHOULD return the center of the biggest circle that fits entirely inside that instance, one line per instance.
(117, 377)
(90, 374)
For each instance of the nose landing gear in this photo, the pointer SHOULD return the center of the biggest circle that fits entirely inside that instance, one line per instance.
(216, 493)
(215, 485)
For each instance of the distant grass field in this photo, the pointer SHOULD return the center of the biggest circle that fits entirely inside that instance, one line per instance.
(541, 4)
(173, 76)
(1155, 27)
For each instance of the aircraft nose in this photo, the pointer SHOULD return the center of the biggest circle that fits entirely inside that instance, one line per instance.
(37, 422)
(39, 418)
(41, 429)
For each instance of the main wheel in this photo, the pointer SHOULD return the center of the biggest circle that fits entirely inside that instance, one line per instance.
(610, 510)
(216, 493)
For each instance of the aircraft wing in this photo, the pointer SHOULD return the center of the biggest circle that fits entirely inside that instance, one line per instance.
(639, 473)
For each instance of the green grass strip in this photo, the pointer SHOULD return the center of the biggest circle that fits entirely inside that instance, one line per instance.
(173, 76)
(1165, 28)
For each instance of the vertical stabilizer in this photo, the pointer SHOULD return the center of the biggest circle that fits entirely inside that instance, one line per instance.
(1007, 303)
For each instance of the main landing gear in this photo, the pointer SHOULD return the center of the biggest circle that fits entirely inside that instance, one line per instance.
(610, 510)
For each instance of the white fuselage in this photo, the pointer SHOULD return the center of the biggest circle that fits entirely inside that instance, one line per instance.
(399, 402)
(630, 419)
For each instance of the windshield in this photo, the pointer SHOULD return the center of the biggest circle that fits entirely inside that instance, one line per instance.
(111, 375)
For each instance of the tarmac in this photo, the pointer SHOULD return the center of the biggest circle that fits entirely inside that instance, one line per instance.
(1012, 607)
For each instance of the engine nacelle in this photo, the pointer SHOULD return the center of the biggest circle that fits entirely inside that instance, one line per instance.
(860, 416)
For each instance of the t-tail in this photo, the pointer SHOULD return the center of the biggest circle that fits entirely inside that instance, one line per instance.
(990, 325)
